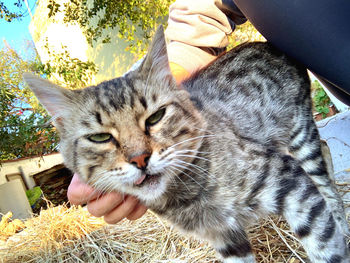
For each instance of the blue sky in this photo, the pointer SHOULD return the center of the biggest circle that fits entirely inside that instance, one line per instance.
(15, 32)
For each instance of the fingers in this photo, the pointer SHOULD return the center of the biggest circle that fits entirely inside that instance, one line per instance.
(138, 211)
(113, 206)
(105, 204)
(80, 193)
(123, 210)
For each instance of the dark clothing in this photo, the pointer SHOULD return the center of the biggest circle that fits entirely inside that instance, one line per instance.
(314, 32)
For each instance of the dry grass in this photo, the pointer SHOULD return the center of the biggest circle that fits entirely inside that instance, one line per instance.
(62, 234)
(9, 227)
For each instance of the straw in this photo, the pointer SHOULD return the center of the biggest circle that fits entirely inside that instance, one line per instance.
(71, 234)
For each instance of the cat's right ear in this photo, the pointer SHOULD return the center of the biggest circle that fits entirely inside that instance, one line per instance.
(56, 100)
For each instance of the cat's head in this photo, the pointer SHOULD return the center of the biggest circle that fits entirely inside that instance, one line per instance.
(131, 134)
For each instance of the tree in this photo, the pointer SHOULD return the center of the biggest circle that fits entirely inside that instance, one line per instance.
(66, 71)
(24, 128)
(23, 122)
(136, 20)
(9, 15)
(97, 18)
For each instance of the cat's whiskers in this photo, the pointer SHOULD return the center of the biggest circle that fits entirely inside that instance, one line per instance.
(171, 149)
(167, 153)
(110, 187)
(191, 139)
(175, 161)
(172, 177)
(192, 151)
(100, 185)
(183, 172)
(196, 167)
(187, 168)
(178, 177)
(192, 156)
(103, 182)
(174, 154)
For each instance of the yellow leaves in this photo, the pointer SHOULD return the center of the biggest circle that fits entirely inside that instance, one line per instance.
(244, 33)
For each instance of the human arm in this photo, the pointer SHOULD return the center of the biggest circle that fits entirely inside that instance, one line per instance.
(198, 32)
(316, 33)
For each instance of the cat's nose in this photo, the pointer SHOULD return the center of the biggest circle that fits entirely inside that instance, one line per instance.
(140, 160)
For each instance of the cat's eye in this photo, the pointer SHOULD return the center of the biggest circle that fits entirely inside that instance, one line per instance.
(155, 118)
(100, 137)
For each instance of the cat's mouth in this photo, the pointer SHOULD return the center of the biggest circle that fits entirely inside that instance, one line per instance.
(147, 179)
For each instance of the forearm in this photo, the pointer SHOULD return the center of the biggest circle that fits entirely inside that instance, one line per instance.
(198, 31)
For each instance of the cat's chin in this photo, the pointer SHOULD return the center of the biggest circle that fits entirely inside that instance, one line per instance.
(148, 180)
(150, 188)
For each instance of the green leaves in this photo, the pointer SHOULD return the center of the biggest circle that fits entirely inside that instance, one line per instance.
(25, 136)
(23, 122)
(24, 128)
(321, 101)
(54, 8)
(135, 19)
(76, 74)
(8, 15)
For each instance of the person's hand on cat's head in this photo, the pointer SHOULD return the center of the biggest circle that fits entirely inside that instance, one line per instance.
(112, 206)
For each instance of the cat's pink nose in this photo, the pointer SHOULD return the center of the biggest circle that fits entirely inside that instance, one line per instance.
(140, 161)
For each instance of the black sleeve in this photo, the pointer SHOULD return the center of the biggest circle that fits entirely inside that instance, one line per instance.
(232, 12)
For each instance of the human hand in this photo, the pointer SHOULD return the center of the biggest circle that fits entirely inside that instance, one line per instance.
(112, 206)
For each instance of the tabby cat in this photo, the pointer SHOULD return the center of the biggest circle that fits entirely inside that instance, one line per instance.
(234, 143)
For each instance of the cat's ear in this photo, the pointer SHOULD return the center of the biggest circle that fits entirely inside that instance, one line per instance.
(156, 61)
(56, 100)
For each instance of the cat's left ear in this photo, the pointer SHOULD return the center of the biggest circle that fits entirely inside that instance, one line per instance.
(156, 61)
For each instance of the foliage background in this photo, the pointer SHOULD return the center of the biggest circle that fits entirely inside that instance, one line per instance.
(136, 20)
(25, 130)
(24, 127)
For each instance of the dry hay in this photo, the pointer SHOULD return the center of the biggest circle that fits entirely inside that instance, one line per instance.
(9, 227)
(62, 234)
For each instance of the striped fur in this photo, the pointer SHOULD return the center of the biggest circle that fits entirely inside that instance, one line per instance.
(235, 143)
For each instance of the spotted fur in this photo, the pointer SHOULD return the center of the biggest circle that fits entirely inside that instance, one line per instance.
(234, 143)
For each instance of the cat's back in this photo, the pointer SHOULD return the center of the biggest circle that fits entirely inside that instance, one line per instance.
(254, 71)
(254, 87)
